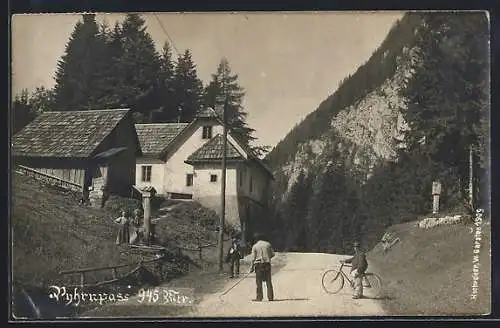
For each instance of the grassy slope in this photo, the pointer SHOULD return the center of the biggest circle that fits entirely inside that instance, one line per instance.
(430, 271)
(51, 232)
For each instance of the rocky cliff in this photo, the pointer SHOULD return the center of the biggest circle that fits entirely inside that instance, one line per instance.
(353, 166)
(368, 132)
(330, 157)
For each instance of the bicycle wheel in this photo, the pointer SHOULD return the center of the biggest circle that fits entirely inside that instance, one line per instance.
(332, 281)
(373, 288)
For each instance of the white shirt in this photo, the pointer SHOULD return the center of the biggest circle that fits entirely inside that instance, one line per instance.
(262, 252)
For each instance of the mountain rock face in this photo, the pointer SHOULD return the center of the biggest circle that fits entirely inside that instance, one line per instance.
(366, 158)
(360, 137)
(374, 126)
(369, 132)
(354, 166)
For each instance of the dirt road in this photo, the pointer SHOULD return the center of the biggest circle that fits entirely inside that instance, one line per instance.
(297, 290)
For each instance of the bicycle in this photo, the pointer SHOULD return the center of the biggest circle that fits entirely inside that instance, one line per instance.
(333, 281)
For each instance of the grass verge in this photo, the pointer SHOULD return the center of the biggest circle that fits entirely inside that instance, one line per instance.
(430, 271)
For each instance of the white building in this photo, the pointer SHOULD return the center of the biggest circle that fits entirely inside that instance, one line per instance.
(183, 160)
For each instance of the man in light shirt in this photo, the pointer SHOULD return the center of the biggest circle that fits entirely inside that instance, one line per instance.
(262, 253)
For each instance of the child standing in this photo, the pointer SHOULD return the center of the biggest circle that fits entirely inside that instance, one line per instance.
(233, 257)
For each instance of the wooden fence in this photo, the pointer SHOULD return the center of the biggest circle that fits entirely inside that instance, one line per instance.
(199, 249)
(160, 256)
(48, 178)
(113, 269)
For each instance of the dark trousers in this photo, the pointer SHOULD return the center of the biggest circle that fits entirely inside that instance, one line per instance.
(263, 274)
(234, 266)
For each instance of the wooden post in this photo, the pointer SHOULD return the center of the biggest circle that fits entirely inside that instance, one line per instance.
(115, 275)
(223, 190)
(82, 279)
(244, 232)
(146, 204)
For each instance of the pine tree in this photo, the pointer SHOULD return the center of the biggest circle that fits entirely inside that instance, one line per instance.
(447, 96)
(224, 85)
(22, 112)
(329, 221)
(187, 88)
(79, 67)
(169, 112)
(26, 106)
(295, 213)
(42, 99)
(136, 65)
(106, 79)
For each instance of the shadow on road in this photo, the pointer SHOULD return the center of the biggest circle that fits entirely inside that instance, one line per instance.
(290, 299)
(378, 297)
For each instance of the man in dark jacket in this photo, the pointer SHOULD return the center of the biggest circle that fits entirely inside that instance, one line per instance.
(233, 257)
(358, 269)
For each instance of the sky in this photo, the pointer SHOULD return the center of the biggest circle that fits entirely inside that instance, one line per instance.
(288, 63)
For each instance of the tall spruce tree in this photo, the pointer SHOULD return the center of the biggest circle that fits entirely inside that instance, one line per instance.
(224, 86)
(166, 90)
(79, 68)
(295, 214)
(136, 65)
(187, 88)
(106, 80)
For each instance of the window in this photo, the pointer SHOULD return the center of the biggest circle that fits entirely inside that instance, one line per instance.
(207, 132)
(213, 177)
(189, 180)
(251, 184)
(146, 173)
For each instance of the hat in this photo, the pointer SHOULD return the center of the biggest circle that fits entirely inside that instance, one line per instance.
(259, 235)
(356, 244)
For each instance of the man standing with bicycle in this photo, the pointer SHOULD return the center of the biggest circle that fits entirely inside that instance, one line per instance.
(359, 264)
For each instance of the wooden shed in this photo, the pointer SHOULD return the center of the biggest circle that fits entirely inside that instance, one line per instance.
(91, 150)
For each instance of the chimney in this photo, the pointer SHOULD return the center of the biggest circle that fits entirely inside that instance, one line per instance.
(219, 105)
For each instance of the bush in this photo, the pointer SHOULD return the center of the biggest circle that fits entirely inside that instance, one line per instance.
(116, 204)
(186, 225)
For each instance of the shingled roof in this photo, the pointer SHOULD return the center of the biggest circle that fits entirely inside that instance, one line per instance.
(66, 134)
(155, 137)
(213, 151)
